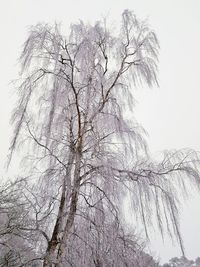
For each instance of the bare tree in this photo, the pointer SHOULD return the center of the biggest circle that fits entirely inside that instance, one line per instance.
(84, 154)
(19, 228)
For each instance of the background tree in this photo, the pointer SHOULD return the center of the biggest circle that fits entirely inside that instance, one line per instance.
(19, 225)
(84, 155)
(182, 262)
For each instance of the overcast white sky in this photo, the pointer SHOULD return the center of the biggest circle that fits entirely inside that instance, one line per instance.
(170, 113)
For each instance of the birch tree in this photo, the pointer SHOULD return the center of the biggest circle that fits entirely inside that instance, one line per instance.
(84, 154)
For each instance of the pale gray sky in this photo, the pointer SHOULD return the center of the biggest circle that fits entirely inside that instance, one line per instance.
(170, 113)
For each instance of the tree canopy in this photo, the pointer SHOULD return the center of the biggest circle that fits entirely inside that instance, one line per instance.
(84, 156)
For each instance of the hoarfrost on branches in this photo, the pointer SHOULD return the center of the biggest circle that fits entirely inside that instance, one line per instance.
(84, 155)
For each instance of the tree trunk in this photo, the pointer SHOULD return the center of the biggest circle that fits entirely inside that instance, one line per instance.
(52, 247)
(52, 244)
(72, 211)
